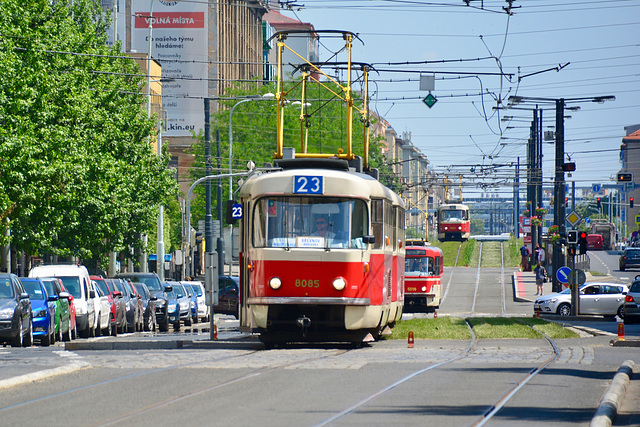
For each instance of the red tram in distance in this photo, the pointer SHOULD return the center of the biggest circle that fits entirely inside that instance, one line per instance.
(453, 222)
(424, 265)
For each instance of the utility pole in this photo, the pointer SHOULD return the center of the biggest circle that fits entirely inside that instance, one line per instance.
(559, 213)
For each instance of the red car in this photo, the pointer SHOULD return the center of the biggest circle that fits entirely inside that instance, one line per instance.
(594, 242)
(72, 311)
(117, 316)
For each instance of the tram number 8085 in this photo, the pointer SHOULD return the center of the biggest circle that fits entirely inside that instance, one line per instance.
(301, 283)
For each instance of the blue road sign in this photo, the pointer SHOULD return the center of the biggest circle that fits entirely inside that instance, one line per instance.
(562, 274)
(596, 188)
(587, 220)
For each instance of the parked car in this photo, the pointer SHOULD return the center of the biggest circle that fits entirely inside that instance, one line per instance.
(118, 311)
(134, 305)
(630, 258)
(72, 311)
(198, 288)
(595, 242)
(76, 281)
(148, 306)
(193, 298)
(173, 309)
(228, 296)
(156, 288)
(184, 303)
(44, 315)
(605, 299)
(15, 312)
(61, 305)
(103, 311)
(632, 303)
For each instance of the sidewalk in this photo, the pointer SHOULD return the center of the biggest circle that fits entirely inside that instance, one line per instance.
(524, 285)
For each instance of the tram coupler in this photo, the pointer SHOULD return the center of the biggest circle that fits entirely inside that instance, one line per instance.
(303, 322)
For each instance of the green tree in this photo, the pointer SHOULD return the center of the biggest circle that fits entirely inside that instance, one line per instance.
(77, 172)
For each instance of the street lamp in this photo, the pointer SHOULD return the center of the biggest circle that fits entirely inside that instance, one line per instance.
(266, 96)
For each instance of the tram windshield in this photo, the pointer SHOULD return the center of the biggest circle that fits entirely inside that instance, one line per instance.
(446, 215)
(310, 222)
(423, 266)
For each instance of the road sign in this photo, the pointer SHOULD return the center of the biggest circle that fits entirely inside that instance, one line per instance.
(596, 188)
(573, 218)
(637, 219)
(562, 274)
(587, 220)
(429, 100)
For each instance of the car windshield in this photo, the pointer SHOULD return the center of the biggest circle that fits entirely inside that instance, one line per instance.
(72, 284)
(6, 288)
(152, 282)
(33, 289)
(103, 287)
(197, 290)
(141, 290)
(635, 287)
(48, 284)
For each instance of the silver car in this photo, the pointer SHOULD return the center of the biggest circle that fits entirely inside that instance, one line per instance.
(632, 304)
(606, 299)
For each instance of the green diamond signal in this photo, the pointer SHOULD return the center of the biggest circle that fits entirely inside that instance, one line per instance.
(429, 100)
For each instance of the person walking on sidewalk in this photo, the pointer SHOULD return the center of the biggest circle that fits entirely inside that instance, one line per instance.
(540, 255)
(524, 251)
(540, 276)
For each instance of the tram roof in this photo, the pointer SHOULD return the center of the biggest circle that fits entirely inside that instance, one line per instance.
(453, 206)
(336, 183)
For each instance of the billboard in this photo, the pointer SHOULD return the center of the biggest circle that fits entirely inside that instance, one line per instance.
(179, 42)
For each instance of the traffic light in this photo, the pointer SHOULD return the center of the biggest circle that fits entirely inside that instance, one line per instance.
(582, 242)
(598, 203)
(569, 167)
(630, 202)
(625, 177)
(572, 237)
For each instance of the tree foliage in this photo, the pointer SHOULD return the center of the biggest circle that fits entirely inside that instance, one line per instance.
(77, 172)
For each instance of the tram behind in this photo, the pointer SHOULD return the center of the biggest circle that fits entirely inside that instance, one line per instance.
(424, 265)
(453, 222)
(321, 253)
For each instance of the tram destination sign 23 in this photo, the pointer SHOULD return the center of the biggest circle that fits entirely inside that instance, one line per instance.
(304, 184)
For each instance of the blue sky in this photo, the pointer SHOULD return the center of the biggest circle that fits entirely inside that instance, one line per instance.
(599, 40)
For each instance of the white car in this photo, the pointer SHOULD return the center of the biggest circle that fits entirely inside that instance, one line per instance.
(102, 308)
(606, 299)
(198, 288)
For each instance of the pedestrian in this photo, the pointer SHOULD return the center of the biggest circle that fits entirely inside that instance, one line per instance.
(541, 256)
(524, 264)
(541, 274)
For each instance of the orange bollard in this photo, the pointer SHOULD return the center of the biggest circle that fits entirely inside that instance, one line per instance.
(538, 312)
(215, 332)
(410, 339)
(435, 314)
(620, 331)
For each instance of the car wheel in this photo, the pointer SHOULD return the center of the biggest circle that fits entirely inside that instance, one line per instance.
(114, 330)
(17, 341)
(28, 340)
(187, 321)
(176, 326)
(46, 340)
(630, 320)
(622, 268)
(67, 335)
(109, 331)
(564, 309)
(621, 312)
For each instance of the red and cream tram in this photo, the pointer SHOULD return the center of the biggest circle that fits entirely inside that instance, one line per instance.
(453, 222)
(422, 277)
(321, 239)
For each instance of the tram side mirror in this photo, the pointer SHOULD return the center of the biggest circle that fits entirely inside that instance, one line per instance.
(368, 240)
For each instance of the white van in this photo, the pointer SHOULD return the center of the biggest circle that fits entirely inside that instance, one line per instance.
(76, 280)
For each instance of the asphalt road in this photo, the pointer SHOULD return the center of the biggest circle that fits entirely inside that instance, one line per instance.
(444, 383)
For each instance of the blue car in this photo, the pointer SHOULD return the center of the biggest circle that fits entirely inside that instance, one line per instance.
(44, 314)
(173, 309)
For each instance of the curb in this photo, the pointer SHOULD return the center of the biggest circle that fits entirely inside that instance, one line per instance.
(608, 406)
(41, 375)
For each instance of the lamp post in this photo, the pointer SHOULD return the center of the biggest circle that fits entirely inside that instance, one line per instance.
(559, 182)
(266, 96)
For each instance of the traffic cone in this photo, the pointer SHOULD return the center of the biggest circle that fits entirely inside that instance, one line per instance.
(410, 339)
(620, 331)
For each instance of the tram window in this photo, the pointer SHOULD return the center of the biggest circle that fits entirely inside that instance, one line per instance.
(376, 222)
(289, 222)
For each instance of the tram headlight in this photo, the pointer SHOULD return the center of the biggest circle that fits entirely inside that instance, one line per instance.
(424, 289)
(275, 283)
(339, 283)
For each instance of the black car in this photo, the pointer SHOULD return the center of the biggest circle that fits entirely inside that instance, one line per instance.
(121, 305)
(15, 312)
(156, 288)
(228, 296)
(148, 306)
(629, 258)
(134, 310)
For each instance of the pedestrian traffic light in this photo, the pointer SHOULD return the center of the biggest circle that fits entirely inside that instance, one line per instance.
(598, 202)
(569, 167)
(572, 237)
(630, 202)
(582, 242)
